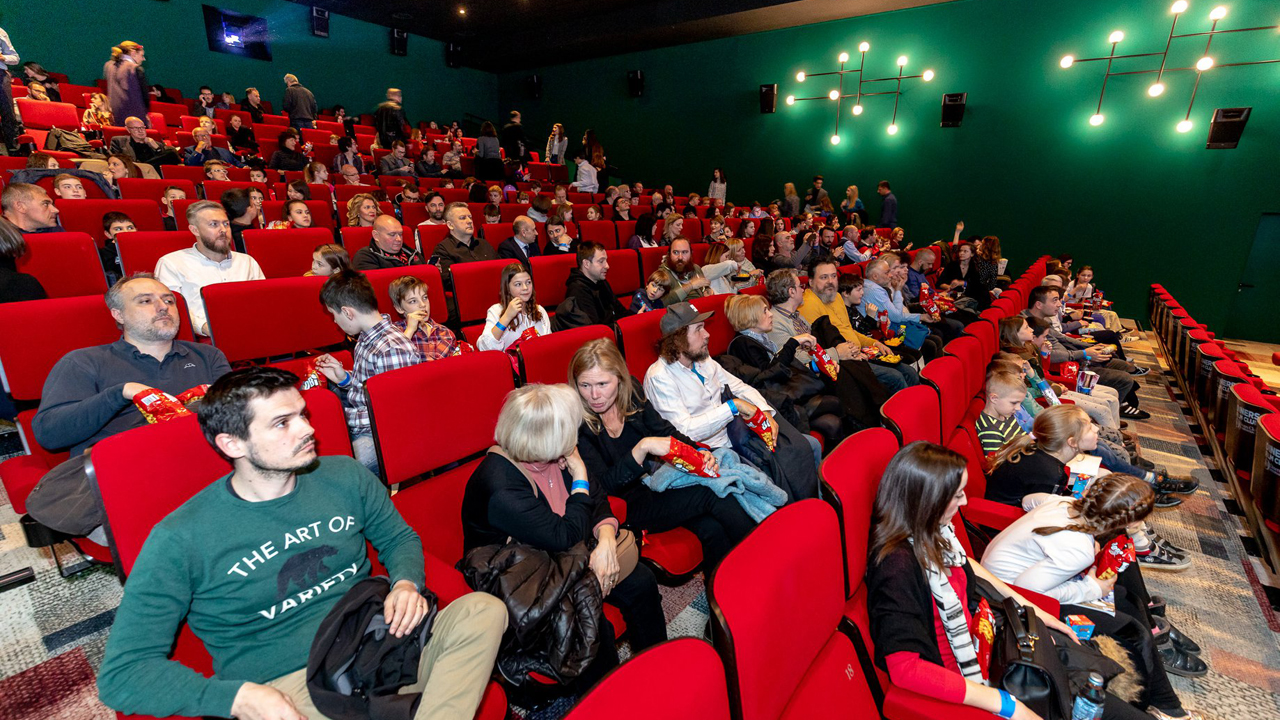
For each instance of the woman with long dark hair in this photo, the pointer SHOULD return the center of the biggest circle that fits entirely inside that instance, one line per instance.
(15, 286)
(643, 236)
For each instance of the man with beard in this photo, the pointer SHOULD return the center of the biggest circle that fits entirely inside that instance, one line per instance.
(257, 595)
(89, 393)
(386, 248)
(685, 279)
(209, 261)
(702, 400)
(824, 309)
(435, 210)
(460, 245)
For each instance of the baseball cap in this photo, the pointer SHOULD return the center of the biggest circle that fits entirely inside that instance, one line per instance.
(681, 315)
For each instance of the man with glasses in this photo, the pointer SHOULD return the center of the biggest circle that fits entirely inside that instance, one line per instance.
(350, 175)
(141, 147)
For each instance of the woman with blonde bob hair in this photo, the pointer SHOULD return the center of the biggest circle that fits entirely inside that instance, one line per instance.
(620, 440)
(1037, 462)
(533, 488)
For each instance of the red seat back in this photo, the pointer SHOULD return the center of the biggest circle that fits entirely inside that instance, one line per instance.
(86, 215)
(45, 115)
(789, 567)
(717, 325)
(182, 172)
(639, 336)
(973, 356)
(650, 259)
(546, 359)
(172, 112)
(852, 474)
(624, 272)
(985, 331)
(947, 375)
(476, 286)
(39, 332)
(550, 273)
(599, 231)
(284, 253)
(140, 251)
(412, 215)
(428, 237)
(430, 274)
(66, 264)
(913, 414)
(688, 673)
(153, 189)
(265, 318)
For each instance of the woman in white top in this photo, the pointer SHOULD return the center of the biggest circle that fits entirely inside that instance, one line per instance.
(1052, 550)
(516, 311)
(719, 186)
(1081, 290)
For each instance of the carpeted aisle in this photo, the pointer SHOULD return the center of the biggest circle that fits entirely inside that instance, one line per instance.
(52, 632)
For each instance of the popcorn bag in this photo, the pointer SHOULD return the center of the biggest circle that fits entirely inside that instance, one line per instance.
(984, 634)
(824, 361)
(684, 456)
(1115, 557)
(193, 395)
(761, 425)
(1070, 371)
(157, 406)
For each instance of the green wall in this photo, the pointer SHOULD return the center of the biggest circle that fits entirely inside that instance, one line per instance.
(353, 67)
(1135, 198)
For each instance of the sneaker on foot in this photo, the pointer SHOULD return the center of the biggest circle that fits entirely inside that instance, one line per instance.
(1132, 413)
(1181, 486)
(1161, 559)
(1139, 371)
(1165, 500)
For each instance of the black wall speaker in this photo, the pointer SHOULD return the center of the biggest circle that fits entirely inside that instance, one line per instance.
(1226, 128)
(635, 82)
(769, 98)
(319, 22)
(953, 109)
(533, 86)
(399, 42)
(453, 55)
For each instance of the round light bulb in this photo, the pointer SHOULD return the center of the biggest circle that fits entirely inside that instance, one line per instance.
(1067, 61)
(892, 129)
(844, 57)
(1096, 119)
(835, 139)
(1156, 89)
(902, 61)
(1179, 7)
(791, 99)
(857, 109)
(1184, 126)
(863, 47)
(1218, 13)
(834, 94)
(800, 76)
(1116, 37)
(1204, 63)
(928, 75)
(462, 11)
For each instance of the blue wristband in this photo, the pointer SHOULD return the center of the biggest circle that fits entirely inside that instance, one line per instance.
(346, 380)
(579, 485)
(1007, 705)
(733, 408)
(500, 326)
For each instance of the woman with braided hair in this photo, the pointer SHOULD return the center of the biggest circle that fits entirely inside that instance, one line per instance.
(1052, 549)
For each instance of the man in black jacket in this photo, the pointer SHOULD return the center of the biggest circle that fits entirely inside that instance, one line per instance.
(589, 292)
(523, 244)
(512, 140)
(299, 104)
(389, 119)
(386, 249)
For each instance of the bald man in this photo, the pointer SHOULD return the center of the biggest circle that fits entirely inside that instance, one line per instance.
(386, 248)
(523, 244)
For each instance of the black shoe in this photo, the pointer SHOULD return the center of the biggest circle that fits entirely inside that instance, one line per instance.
(1124, 425)
(1144, 463)
(1165, 500)
(1161, 559)
(1133, 413)
(1182, 642)
(1166, 484)
(1180, 662)
(1157, 605)
(1140, 371)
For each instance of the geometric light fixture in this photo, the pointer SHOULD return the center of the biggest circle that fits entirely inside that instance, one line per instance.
(838, 95)
(1156, 89)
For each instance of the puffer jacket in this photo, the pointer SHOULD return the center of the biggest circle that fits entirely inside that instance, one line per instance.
(554, 604)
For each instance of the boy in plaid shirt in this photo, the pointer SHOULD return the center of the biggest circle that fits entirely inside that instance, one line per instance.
(381, 347)
(433, 340)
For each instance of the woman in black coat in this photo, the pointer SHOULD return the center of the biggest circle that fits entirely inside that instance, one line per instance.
(621, 432)
(533, 489)
(288, 157)
(965, 268)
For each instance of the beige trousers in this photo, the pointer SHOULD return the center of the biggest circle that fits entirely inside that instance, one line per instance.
(454, 668)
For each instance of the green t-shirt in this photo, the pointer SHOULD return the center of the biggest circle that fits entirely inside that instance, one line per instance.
(253, 580)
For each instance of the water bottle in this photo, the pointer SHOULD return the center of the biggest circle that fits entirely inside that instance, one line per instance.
(1088, 705)
(1043, 386)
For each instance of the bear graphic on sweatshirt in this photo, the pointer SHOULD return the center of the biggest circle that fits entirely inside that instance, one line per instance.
(306, 569)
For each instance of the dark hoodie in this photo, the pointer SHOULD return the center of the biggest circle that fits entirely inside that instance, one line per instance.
(594, 300)
(373, 257)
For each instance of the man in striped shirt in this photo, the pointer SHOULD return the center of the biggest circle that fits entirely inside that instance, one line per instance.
(350, 298)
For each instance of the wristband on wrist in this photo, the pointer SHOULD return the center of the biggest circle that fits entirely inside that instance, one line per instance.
(346, 380)
(733, 408)
(1007, 705)
(579, 485)
(500, 326)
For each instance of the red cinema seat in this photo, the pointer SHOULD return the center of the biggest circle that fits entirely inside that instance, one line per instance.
(284, 253)
(985, 331)
(807, 667)
(213, 189)
(354, 238)
(194, 175)
(66, 264)
(412, 215)
(37, 115)
(191, 122)
(970, 352)
(278, 121)
(851, 475)
(495, 233)
(428, 237)
(913, 414)
(86, 215)
(550, 273)
(650, 259)
(625, 229)
(223, 116)
(429, 274)
(624, 274)
(185, 139)
(546, 359)
(638, 339)
(476, 287)
(152, 188)
(321, 214)
(140, 251)
(266, 318)
(511, 211)
(318, 192)
(599, 231)
(688, 672)
(173, 112)
(717, 325)
(947, 376)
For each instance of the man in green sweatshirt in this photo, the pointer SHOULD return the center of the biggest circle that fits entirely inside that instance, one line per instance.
(254, 562)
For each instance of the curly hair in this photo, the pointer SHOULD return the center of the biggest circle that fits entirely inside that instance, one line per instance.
(1112, 503)
(353, 207)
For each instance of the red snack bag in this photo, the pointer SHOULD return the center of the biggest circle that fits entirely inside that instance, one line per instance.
(761, 425)
(311, 377)
(927, 300)
(1069, 372)
(825, 363)
(464, 347)
(984, 633)
(192, 395)
(687, 458)
(157, 406)
(1115, 557)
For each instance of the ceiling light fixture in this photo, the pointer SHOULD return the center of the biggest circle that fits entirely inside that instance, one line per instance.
(462, 11)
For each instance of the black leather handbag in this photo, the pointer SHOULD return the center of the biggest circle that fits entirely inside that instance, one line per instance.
(1025, 663)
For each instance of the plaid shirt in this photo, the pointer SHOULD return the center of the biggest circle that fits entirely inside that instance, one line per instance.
(434, 341)
(381, 348)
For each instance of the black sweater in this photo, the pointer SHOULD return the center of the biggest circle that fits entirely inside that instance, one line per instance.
(1037, 472)
(594, 298)
(500, 503)
(617, 471)
(775, 370)
(900, 606)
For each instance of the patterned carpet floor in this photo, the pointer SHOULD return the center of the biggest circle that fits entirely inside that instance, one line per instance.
(53, 631)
